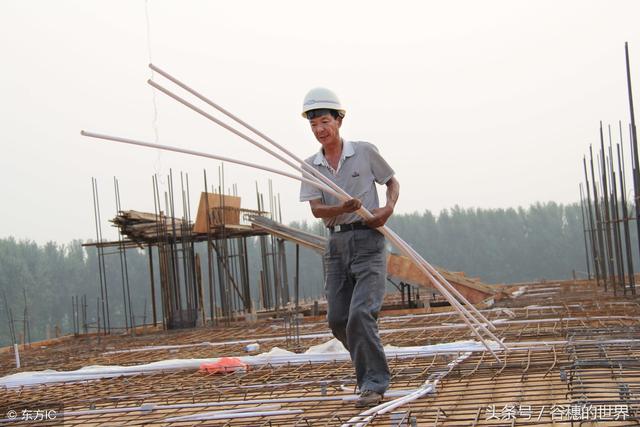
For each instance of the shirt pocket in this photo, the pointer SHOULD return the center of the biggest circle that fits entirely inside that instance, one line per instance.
(360, 184)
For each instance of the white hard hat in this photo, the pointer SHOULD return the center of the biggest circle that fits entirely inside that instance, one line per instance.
(319, 98)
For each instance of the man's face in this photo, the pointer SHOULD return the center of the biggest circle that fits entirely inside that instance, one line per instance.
(326, 129)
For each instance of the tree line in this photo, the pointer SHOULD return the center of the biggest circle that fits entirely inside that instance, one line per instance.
(543, 241)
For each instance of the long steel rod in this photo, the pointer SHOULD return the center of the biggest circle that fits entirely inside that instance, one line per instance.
(98, 251)
(594, 236)
(625, 213)
(443, 286)
(209, 253)
(245, 137)
(421, 263)
(634, 142)
(392, 236)
(121, 249)
(101, 257)
(585, 232)
(152, 283)
(194, 153)
(616, 217)
(607, 219)
(461, 310)
(598, 223)
(307, 168)
(625, 223)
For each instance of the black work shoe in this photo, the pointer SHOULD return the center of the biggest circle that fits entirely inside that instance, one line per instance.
(368, 398)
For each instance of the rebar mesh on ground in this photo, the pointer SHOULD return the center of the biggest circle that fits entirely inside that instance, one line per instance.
(573, 345)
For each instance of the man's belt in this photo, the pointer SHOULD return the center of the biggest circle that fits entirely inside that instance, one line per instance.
(341, 228)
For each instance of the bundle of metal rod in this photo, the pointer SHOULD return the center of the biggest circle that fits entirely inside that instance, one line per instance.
(609, 214)
(436, 278)
(102, 270)
(463, 312)
(478, 325)
(608, 218)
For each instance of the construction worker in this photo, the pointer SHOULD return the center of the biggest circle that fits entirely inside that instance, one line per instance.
(355, 257)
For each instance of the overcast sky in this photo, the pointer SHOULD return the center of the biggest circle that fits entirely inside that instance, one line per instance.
(474, 103)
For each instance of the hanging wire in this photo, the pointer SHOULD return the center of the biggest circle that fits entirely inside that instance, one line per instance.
(154, 122)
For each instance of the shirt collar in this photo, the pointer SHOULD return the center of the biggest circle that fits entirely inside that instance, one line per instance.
(347, 151)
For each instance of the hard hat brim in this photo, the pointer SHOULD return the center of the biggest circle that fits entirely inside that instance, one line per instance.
(323, 106)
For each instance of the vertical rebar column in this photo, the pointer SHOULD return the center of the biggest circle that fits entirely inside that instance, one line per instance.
(124, 270)
(196, 272)
(594, 236)
(242, 266)
(274, 258)
(297, 291)
(265, 273)
(160, 245)
(282, 256)
(585, 233)
(187, 261)
(297, 280)
(616, 219)
(233, 272)
(601, 252)
(165, 262)
(244, 270)
(221, 244)
(182, 249)
(152, 282)
(102, 269)
(625, 215)
(283, 263)
(173, 252)
(607, 219)
(634, 142)
(198, 268)
(212, 291)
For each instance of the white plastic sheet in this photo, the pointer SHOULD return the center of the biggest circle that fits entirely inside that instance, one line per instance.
(331, 350)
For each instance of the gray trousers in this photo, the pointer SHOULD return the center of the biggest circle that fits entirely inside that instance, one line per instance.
(355, 280)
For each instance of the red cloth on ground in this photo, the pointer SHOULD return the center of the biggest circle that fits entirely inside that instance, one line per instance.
(224, 365)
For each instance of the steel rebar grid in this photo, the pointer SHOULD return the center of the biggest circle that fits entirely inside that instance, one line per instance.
(529, 375)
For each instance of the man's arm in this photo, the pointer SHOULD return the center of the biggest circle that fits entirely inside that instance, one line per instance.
(320, 210)
(381, 215)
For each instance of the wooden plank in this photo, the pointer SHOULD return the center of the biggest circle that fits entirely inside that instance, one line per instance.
(217, 203)
(402, 268)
